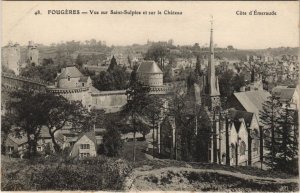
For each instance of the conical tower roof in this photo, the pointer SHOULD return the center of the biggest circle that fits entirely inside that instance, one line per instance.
(149, 67)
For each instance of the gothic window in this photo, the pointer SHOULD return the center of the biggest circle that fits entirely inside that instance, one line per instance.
(232, 147)
(255, 141)
(255, 145)
(242, 148)
(223, 158)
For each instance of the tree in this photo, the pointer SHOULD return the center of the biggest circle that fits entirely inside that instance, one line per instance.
(269, 117)
(115, 78)
(120, 77)
(98, 116)
(60, 112)
(158, 53)
(133, 76)
(198, 70)
(113, 64)
(31, 111)
(190, 81)
(287, 153)
(202, 137)
(104, 81)
(196, 49)
(27, 114)
(79, 60)
(137, 100)
(183, 110)
(112, 142)
(6, 128)
(153, 112)
(46, 72)
(226, 83)
(230, 47)
(238, 81)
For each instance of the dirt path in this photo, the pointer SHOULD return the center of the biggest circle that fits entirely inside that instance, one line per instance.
(140, 172)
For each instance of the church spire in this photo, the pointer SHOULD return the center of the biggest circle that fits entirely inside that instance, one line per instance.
(212, 80)
(211, 37)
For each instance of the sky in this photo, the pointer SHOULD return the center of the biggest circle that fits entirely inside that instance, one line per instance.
(20, 24)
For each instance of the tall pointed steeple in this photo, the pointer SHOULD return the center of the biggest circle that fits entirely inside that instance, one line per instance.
(212, 80)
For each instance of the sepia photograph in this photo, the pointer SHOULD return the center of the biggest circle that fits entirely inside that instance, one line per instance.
(137, 96)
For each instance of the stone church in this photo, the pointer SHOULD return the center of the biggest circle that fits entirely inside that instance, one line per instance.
(235, 135)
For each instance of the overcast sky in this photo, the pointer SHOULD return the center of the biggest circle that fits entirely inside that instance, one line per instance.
(242, 31)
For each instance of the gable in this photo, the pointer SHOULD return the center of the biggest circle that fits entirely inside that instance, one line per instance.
(254, 123)
(252, 101)
(84, 140)
(243, 133)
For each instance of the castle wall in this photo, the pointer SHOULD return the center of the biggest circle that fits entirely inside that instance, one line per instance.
(74, 94)
(110, 101)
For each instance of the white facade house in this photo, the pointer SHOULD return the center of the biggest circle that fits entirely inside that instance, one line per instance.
(86, 146)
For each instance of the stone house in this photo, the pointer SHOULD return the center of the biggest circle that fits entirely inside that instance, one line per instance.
(86, 146)
(287, 94)
(15, 145)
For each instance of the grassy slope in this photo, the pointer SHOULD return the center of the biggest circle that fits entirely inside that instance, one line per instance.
(155, 174)
(175, 175)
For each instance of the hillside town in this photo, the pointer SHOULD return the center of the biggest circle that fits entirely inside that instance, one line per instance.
(158, 101)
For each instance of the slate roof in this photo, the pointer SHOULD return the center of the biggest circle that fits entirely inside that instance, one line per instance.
(23, 139)
(17, 140)
(283, 92)
(149, 67)
(69, 71)
(252, 100)
(237, 115)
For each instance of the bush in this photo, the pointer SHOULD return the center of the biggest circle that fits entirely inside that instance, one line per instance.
(98, 173)
(88, 174)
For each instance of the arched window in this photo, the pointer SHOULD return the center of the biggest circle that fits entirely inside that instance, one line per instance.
(223, 158)
(242, 148)
(255, 141)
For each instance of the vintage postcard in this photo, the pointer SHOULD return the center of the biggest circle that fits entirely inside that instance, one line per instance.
(171, 96)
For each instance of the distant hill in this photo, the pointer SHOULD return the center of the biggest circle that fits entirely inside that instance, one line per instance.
(239, 54)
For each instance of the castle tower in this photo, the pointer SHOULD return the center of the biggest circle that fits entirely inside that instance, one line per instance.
(11, 57)
(32, 54)
(212, 83)
(150, 74)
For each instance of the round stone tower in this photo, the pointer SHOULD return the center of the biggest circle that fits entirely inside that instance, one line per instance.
(150, 74)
